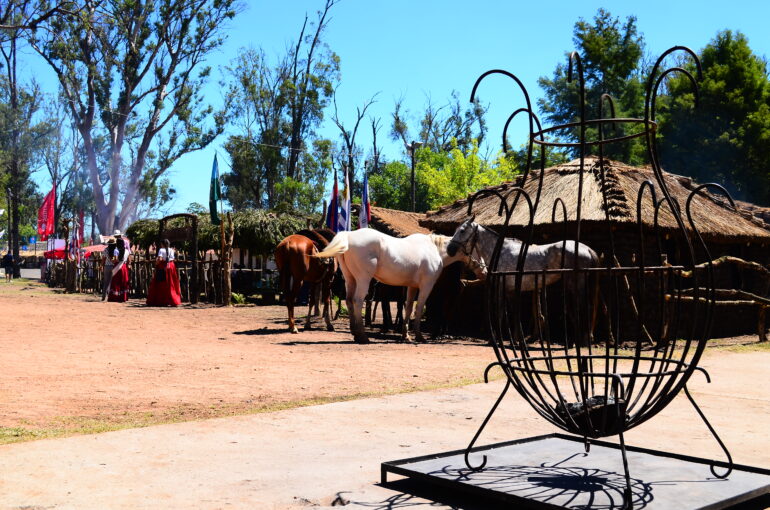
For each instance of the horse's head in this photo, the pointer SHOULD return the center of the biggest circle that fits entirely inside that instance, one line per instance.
(462, 236)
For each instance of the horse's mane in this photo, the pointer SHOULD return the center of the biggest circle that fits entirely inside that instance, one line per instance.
(439, 240)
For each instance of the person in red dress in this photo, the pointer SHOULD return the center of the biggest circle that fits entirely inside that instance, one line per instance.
(164, 287)
(119, 284)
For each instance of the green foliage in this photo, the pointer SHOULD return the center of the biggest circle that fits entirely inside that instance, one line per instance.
(277, 160)
(454, 175)
(440, 177)
(727, 138)
(237, 299)
(391, 187)
(611, 53)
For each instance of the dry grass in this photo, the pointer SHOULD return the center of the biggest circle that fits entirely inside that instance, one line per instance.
(80, 425)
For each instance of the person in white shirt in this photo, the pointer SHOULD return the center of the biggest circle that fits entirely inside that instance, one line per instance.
(164, 287)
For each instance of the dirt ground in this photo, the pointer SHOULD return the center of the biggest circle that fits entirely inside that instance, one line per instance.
(72, 363)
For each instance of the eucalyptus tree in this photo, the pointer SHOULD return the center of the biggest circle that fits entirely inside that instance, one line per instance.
(440, 124)
(276, 157)
(133, 72)
(313, 70)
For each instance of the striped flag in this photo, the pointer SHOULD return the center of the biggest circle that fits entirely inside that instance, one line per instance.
(365, 216)
(344, 219)
(332, 212)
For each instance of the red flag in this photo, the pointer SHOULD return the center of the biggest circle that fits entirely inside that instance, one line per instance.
(46, 215)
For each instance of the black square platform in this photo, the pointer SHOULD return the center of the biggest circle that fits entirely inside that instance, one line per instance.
(553, 471)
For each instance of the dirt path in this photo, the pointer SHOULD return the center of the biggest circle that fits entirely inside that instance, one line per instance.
(72, 363)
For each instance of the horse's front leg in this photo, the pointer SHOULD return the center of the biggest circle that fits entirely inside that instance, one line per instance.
(411, 292)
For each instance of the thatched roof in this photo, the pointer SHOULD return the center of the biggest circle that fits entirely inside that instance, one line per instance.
(397, 223)
(714, 219)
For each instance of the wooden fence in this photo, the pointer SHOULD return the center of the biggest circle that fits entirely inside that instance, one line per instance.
(87, 277)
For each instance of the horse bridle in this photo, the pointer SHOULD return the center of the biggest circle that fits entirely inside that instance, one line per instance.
(474, 247)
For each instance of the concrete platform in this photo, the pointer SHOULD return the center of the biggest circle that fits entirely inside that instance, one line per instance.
(316, 457)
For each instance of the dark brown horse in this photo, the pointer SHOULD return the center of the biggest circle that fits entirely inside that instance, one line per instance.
(295, 262)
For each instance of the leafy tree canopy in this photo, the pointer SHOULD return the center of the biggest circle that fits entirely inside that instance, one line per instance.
(727, 137)
(611, 51)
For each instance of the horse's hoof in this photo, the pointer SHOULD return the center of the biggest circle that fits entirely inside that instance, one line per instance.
(361, 340)
(419, 339)
(329, 328)
(294, 331)
(306, 327)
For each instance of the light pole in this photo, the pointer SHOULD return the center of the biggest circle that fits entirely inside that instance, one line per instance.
(412, 147)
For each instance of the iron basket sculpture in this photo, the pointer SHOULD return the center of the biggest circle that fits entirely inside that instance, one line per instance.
(597, 389)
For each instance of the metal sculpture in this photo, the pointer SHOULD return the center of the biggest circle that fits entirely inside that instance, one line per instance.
(586, 388)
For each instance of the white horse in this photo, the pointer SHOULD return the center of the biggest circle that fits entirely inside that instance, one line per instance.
(475, 241)
(414, 262)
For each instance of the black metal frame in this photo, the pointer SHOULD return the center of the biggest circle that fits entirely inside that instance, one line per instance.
(582, 388)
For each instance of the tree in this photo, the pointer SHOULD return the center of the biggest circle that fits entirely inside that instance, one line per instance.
(350, 155)
(277, 160)
(313, 70)
(727, 137)
(133, 71)
(454, 175)
(611, 53)
(439, 125)
(440, 178)
(390, 187)
(20, 137)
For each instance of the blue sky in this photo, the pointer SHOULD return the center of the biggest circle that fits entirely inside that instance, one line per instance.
(428, 48)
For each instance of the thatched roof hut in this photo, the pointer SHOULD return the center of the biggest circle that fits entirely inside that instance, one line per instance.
(712, 215)
(396, 223)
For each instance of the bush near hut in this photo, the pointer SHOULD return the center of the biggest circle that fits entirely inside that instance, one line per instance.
(256, 230)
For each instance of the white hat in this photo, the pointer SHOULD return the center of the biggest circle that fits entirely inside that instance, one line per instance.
(116, 233)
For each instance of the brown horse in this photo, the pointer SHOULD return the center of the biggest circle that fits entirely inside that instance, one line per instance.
(295, 262)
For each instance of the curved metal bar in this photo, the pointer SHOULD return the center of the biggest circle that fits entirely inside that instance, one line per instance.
(663, 76)
(712, 466)
(653, 73)
(486, 192)
(484, 424)
(508, 122)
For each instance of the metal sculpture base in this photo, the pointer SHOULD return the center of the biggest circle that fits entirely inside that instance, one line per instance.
(553, 471)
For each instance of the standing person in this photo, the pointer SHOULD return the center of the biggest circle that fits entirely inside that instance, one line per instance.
(164, 287)
(8, 265)
(119, 285)
(110, 254)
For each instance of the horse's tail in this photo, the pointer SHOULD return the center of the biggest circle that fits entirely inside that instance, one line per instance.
(338, 246)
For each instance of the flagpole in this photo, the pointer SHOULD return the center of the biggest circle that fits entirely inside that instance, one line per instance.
(223, 269)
